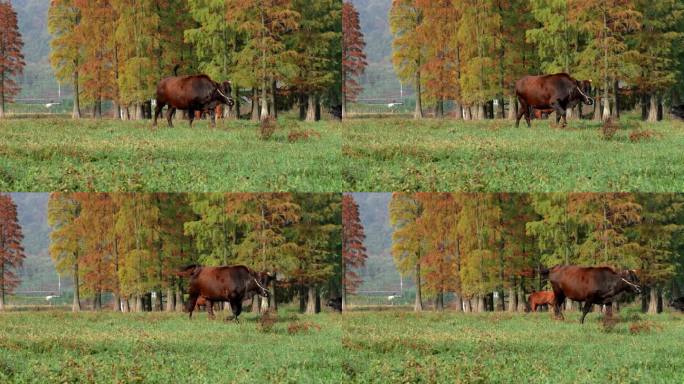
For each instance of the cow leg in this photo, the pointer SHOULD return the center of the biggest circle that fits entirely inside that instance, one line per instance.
(560, 112)
(585, 310)
(559, 298)
(609, 311)
(210, 310)
(212, 115)
(192, 301)
(521, 112)
(191, 116)
(169, 115)
(157, 112)
(236, 308)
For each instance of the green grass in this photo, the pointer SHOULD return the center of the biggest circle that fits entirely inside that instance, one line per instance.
(494, 156)
(108, 155)
(61, 347)
(403, 347)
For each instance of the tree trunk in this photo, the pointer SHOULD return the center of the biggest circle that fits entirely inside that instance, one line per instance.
(76, 113)
(480, 111)
(179, 300)
(653, 301)
(264, 101)
(117, 302)
(512, 108)
(2, 295)
(418, 306)
(522, 300)
(659, 306)
(302, 299)
(653, 110)
(597, 106)
(439, 302)
(458, 111)
(344, 288)
(311, 108)
(274, 103)
(138, 303)
(616, 94)
(311, 301)
(170, 300)
(481, 303)
(418, 114)
(126, 305)
(458, 300)
(256, 303)
(344, 116)
(302, 107)
(255, 104)
(644, 301)
(272, 304)
(512, 300)
(76, 305)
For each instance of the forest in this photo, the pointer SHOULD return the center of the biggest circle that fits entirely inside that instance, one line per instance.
(462, 58)
(279, 54)
(122, 250)
(482, 252)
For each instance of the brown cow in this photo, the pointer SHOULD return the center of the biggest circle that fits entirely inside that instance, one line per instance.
(537, 299)
(191, 93)
(592, 285)
(558, 92)
(227, 283)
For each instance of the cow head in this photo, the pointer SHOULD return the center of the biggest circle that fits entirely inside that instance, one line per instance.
(260, 282)
(224, 90)
(584, 90)
(631, 280)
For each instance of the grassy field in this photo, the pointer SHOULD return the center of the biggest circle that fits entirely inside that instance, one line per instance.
(61, 347)
(90, 155)
(493, 156)
(396, 346)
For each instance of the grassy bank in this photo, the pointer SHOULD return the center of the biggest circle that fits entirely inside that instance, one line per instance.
(61, 347)
(396, 346)
(108, 155)
(494, 156)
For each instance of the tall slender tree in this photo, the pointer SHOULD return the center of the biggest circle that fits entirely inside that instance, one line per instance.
(353, 56)
(11, 57)
(353, 251)
(11, 251)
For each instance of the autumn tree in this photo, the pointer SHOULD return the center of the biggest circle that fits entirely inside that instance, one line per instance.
(98, 22)
(607, 24)
(316, 254)
(265, 246)
(405, 19)
(317, 43)
(65, 247)
(408, 247)
(440, 69)
(656, 41)
(265, 23)
(11, 57)
(215, 42)
(654, 242)
(353, 251)
(66, 55)
(353, 56)
(607, 217)
(11, 251)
